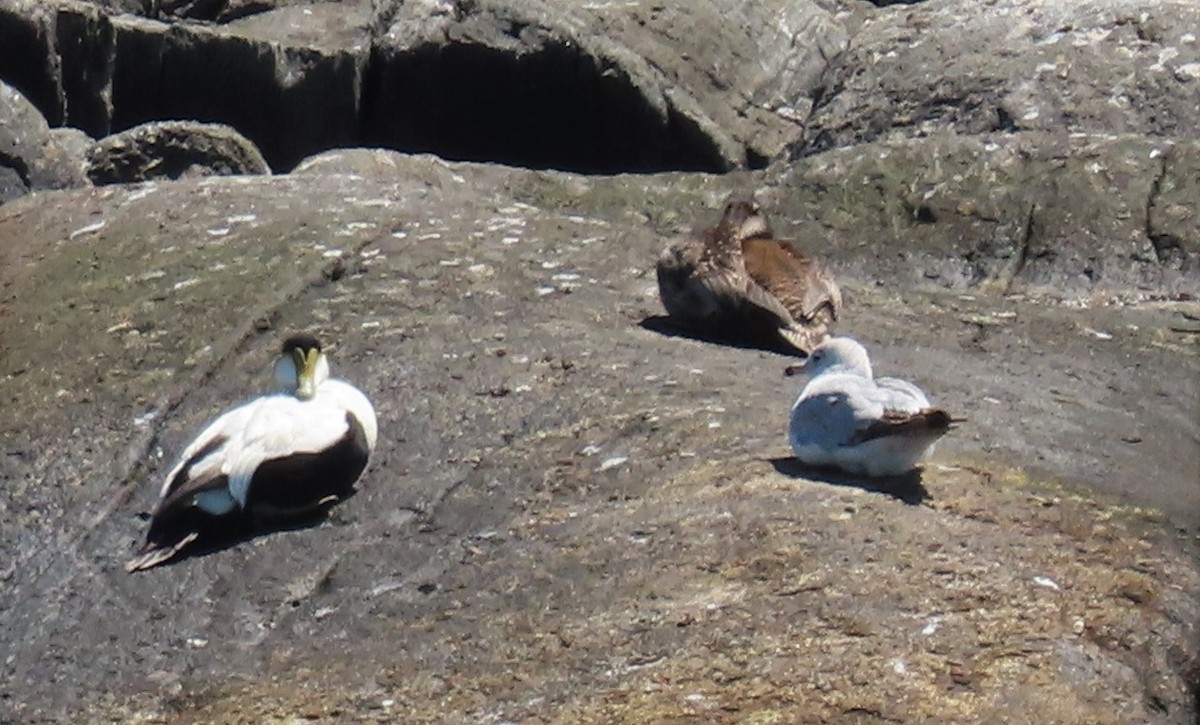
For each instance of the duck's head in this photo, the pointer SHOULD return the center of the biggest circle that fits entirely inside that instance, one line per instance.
(301, 367)
(838, 354)
(743, 219)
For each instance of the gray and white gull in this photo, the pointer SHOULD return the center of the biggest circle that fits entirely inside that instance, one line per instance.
(848, 419)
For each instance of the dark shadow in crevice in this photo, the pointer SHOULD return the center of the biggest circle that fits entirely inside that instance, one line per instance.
(555, 108)
(906, 488)
(748, 338)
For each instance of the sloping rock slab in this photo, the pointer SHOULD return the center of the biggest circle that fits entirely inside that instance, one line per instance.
(1031, 212)
(569, 516)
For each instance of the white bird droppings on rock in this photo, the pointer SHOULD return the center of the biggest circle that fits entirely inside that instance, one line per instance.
(94, 227)
(184, 284)
(141, 193)
(612, 462)
(1188, 72)
(1047, 582)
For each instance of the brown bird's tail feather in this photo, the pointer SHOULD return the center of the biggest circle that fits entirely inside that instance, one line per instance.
(804, 339)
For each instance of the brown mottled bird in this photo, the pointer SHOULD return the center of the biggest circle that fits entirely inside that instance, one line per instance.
(736, 280)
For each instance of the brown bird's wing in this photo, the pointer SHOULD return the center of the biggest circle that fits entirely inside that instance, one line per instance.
(798, 282)
(682, 284)
(795, 287)
(928, 421)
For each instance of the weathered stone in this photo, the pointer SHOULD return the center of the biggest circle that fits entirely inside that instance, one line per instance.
(29, 151)
(557, 486)
(527, 83)
(28, 58)
(74, 143)
(330, 28)
(11, 184)
(173, 150)
(289, 101)
(224, 11)
(1036, 213)
(137, 7)
(752, 67)
(572, 516)
(1173, 212)
(86, 46)
(1116, 66)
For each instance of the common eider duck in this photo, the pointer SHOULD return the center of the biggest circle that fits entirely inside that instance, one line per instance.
(848, 419)
(736, 280)
(280, 455)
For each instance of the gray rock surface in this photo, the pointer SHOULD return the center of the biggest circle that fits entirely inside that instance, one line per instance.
(30, 156)
(1029, 212)
(30, 62)
(571, 515)
(546, 88)
(173, 150)
(710, 85)
(1112, 66)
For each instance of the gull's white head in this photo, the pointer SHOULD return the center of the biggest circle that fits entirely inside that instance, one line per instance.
(301, 367)
(835, 354)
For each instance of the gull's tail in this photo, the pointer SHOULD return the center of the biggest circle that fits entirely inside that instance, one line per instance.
(933, 422)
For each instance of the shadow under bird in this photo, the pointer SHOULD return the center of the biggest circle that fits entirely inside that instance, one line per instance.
(736, 280)
(848, 419)
(282, 455)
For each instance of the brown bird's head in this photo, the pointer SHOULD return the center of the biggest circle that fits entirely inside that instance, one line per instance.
(743, 219)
